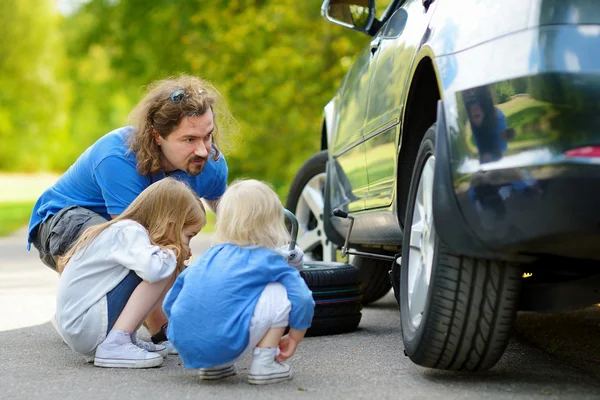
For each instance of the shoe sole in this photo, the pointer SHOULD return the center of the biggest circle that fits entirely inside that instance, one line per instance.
(116, 363)
(164, 352)
(268, 379)
(217, 374)
(172, 351)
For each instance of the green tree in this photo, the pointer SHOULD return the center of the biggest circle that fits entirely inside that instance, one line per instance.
(276, 62)
(33, 118)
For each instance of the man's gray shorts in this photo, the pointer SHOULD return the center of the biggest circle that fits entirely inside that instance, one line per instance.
(58, 233)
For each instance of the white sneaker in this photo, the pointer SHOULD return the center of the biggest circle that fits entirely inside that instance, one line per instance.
(265, 369)
(149, 346)
(214, 373)
(117, 351)
(170, 348)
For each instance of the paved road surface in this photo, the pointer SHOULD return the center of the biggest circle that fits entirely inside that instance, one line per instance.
(366, 364)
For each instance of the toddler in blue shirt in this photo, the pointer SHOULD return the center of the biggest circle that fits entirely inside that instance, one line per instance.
(241, 294)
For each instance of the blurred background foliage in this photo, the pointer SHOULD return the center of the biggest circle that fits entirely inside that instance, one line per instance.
(69, 78)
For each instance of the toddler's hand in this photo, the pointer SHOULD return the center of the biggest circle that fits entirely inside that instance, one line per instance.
(293, 257)
(287, 348)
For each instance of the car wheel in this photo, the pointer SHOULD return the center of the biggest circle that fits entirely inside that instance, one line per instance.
(306, 201)
(456, 312)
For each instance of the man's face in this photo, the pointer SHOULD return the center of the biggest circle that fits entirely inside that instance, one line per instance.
(187, 148)
(476, 115)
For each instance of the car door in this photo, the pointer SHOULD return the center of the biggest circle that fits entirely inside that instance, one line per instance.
(349, 183)
(397, 43)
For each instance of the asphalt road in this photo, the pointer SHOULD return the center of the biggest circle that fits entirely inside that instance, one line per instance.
(366, 364)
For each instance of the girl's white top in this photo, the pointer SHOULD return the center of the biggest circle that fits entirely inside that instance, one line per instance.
(81, 307)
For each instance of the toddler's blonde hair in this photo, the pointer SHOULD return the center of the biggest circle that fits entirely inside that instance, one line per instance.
(250, 213)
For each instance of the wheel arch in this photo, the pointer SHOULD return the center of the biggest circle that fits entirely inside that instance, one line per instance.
(327, 123)
(420, 112)
(324, 134)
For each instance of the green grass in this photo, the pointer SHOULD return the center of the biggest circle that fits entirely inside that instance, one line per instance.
(210, 222)
(518, 104)
(14, 216)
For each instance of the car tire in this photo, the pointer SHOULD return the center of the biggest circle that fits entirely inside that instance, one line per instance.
(337, 294)
(374, 276)
(456, 312)
(306, 201)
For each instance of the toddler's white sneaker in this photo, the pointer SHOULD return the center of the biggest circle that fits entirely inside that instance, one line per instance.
(265, 369)
(214, 373)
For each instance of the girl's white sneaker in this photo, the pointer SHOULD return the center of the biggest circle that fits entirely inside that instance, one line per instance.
(149, 346)
(117, 351)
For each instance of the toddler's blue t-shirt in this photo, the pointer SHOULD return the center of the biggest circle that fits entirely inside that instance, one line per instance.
(211, 303)
(104, 179)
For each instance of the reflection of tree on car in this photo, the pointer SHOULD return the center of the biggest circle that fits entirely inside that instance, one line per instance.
(488, 124)
(355, 12)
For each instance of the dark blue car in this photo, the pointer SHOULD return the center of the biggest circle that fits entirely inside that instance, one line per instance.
(463, 151)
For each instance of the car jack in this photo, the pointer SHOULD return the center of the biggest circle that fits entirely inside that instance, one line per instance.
(345, 250)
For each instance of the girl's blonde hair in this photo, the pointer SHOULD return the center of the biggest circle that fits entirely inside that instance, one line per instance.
(250, 213)
(156, 111)
(164, 208)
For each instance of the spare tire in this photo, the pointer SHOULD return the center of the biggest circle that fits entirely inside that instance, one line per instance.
(337, 293)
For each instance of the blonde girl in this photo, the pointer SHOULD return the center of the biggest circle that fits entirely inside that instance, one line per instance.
(241, 294)
(118, 272)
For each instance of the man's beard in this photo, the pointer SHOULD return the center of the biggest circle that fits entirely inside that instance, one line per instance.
(197, 168)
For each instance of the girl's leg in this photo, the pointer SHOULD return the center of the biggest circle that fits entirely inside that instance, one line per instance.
(140, 304)
(150, 294)
(155, 322)
(117, 350)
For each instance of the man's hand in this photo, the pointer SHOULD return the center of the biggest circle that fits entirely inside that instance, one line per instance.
(293, 257)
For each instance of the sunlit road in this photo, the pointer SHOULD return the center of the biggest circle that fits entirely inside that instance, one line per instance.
(366, 364)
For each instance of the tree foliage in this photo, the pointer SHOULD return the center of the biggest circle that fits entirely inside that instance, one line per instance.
(277, 63)
(33, 118)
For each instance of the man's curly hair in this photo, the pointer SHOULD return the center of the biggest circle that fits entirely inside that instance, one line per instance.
(157, 112)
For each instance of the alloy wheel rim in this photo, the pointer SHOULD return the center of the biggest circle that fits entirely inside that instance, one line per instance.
(422, 245)
(309, 212)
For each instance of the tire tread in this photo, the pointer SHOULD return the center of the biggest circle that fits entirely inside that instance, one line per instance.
(472, 313)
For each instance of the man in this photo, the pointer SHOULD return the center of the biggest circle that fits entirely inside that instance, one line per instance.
(174, 134)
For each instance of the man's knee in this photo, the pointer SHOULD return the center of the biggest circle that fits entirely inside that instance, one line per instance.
(68, 226)
(56, 235)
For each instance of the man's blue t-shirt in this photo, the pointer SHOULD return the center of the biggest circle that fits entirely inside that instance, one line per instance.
(104, 179)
